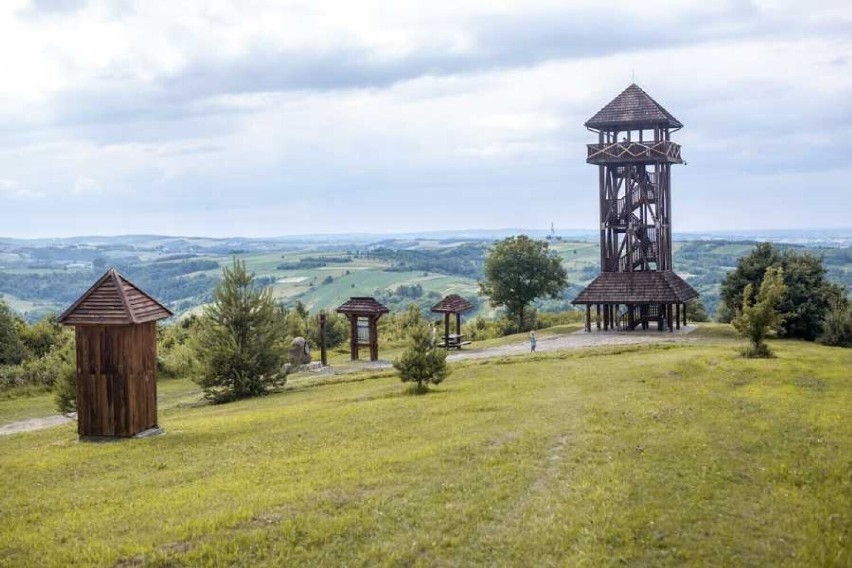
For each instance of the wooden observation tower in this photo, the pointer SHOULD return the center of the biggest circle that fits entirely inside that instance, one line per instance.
(634, 155)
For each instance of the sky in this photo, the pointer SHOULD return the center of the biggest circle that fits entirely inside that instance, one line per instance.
(262, 119)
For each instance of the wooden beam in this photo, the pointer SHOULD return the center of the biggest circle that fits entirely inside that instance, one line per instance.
(353, 336)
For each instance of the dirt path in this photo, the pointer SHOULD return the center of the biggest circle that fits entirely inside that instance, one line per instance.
(578, 340)
(34, 424)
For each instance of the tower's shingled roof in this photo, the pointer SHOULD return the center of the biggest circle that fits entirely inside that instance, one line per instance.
(114, 300)
(633, 108)
(452, 304)
(636, 288)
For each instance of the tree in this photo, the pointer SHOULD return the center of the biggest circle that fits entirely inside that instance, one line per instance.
(39, 338)
(11, 347)
(240, 341)
(695, 310)
(517, 271)
(422, 362)
(756, 319)
(808, 297)
(336, 330)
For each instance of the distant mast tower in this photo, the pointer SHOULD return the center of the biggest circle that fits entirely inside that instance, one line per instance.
(634, 155)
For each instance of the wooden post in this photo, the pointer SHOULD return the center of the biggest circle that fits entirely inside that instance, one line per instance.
(446, 330)
(588, 317)
(323, 354)
(677, 315)
(684, 314)
(353, 336)
(670, 312)
(597, 316)
(374, 338)
(630, 317)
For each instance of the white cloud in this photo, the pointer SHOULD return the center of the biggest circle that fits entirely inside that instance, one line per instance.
(190, 110)
(86, 185)
(12, 189)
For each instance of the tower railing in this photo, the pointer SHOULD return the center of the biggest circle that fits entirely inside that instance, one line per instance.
(629, 151)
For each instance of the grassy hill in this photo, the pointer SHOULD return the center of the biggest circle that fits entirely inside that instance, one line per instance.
(664, 455)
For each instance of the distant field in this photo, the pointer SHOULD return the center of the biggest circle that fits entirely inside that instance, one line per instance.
(184, 278)
(688, 455)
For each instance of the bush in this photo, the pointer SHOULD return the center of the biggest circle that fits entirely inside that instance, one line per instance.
(837, 327)
(695, 311)
(422, 362)
(398, 326)
(11, 347)
(177, 352)
(65, 391)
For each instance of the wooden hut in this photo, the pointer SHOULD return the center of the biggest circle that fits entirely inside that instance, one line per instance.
(363, 314)
(116, 336)
(453, 305)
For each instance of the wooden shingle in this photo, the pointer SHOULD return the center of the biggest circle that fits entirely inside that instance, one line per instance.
(452, 304)
(636, 288)
(114, 300)
(363, 306)
(632, 109)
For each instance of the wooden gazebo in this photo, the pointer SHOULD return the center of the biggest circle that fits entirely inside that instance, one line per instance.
(452, 305)
(363, 314)
(116, 337)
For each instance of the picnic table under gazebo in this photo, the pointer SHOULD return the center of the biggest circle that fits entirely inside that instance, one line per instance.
(452, 305)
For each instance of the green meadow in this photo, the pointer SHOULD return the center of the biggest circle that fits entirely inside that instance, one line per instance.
(669, 454)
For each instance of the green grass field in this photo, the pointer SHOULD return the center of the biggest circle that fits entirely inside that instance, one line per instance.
(661, 455)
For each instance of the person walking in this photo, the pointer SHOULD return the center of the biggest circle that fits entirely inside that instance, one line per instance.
(532, 341)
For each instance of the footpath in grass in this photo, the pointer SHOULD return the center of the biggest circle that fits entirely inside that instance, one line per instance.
(665, 454)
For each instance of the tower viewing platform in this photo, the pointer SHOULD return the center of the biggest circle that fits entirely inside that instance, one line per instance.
(628, 152)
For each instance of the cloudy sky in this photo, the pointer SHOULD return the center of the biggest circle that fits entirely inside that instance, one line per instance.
(271, 118)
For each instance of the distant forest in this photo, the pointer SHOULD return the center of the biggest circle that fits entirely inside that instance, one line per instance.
(168, 281)
(463, 260)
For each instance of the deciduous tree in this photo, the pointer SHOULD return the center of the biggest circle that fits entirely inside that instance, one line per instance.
(757, 318)
(517, 271)
(808, 296)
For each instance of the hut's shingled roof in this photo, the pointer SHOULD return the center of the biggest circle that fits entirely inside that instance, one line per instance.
(452, 304)
(114, 300)
(636, 288)
(633, 108)
(363, 306)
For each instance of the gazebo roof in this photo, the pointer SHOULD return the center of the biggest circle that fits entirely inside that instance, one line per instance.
(114, 300)
(633, 108)
(636, 288)
(452, 304)
(363, 306)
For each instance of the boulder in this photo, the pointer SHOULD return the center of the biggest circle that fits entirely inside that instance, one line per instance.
(300, 352)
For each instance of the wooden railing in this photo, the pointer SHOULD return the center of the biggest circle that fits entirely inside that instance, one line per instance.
(620, 152)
